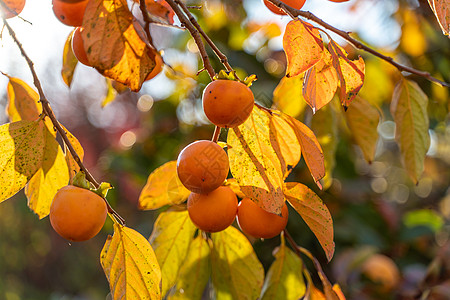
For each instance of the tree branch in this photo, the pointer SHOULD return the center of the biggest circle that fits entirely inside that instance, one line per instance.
(49, 112)
(147, 19)
(195, 35)
(222, 57)
(357, 44)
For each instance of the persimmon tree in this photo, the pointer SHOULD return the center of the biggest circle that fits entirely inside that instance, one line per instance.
(193, 241)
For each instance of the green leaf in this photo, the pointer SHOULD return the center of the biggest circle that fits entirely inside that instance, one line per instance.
(130, 265)
(362, 120)
(22, 101)
(284, 280)
(195, 272)
(163, 187)
(51, 176)
(22, 150)
(409, 109)
(424, 217)
(314, 212)
(69, 61)
(172, 233)
(236, 271)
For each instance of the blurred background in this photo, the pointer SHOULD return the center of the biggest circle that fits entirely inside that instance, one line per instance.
(392, 237)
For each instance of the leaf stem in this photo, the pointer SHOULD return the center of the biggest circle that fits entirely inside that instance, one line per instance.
(357, 44)
(185, 22)
(47, 110)
(216, 134)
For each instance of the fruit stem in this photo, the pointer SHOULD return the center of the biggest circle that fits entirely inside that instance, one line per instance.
(216, 134)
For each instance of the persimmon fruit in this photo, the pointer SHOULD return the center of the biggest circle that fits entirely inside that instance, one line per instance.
(78, 47)
(297, 4)
(227, 103)
(77, 214)
(202, 166)
(259, 223)
(214, 211)
(70, 13)
(11, 8)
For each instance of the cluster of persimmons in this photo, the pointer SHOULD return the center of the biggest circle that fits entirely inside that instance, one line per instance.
(203, 167)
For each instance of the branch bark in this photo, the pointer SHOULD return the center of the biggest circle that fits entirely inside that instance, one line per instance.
(357, 44)
(49, 112)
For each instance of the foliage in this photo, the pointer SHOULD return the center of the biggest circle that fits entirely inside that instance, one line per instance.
(332, 106)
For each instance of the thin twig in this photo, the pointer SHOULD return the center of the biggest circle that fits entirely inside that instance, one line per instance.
(300, 250)
(195, 35)
(147, 19)
(222, 57)
(357, 44)
(49, 112)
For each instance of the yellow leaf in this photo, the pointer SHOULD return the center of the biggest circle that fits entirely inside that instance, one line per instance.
(115, 43)
(232, 184)
(163, 187)
(194, 273)
(285, 143)
(338, 291)
(52, 176)
(236, 271)
(324, 125)
(111, 93)
(71, 163)
(69, 61)
(409, 109)
(320, 83)
(172, 233)
(315, 214)
(22, 149)
(413, 41)
(441, 9)
(130, 265)
(284, 280)
(362, 120)
(22, 101)
(288, 96)
(351, 73)
(254, 162)
(311, 150)
(303, 46)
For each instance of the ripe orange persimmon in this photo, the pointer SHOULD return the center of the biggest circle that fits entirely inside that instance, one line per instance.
(70, 13)
(259, 223)
(11, 8)
(77, 214)
(214, 211)
(202, 166)
(157, 69)
(297, 4)
(78, 47)
(227, 103)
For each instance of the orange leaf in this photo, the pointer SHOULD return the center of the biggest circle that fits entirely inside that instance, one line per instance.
(441, 9)
(320, 83)
(115, 43)
(160, 11)
(314, 213)
(22, 101)
(69, 61)
(303, 46)
(311, 150)
(350, 73)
